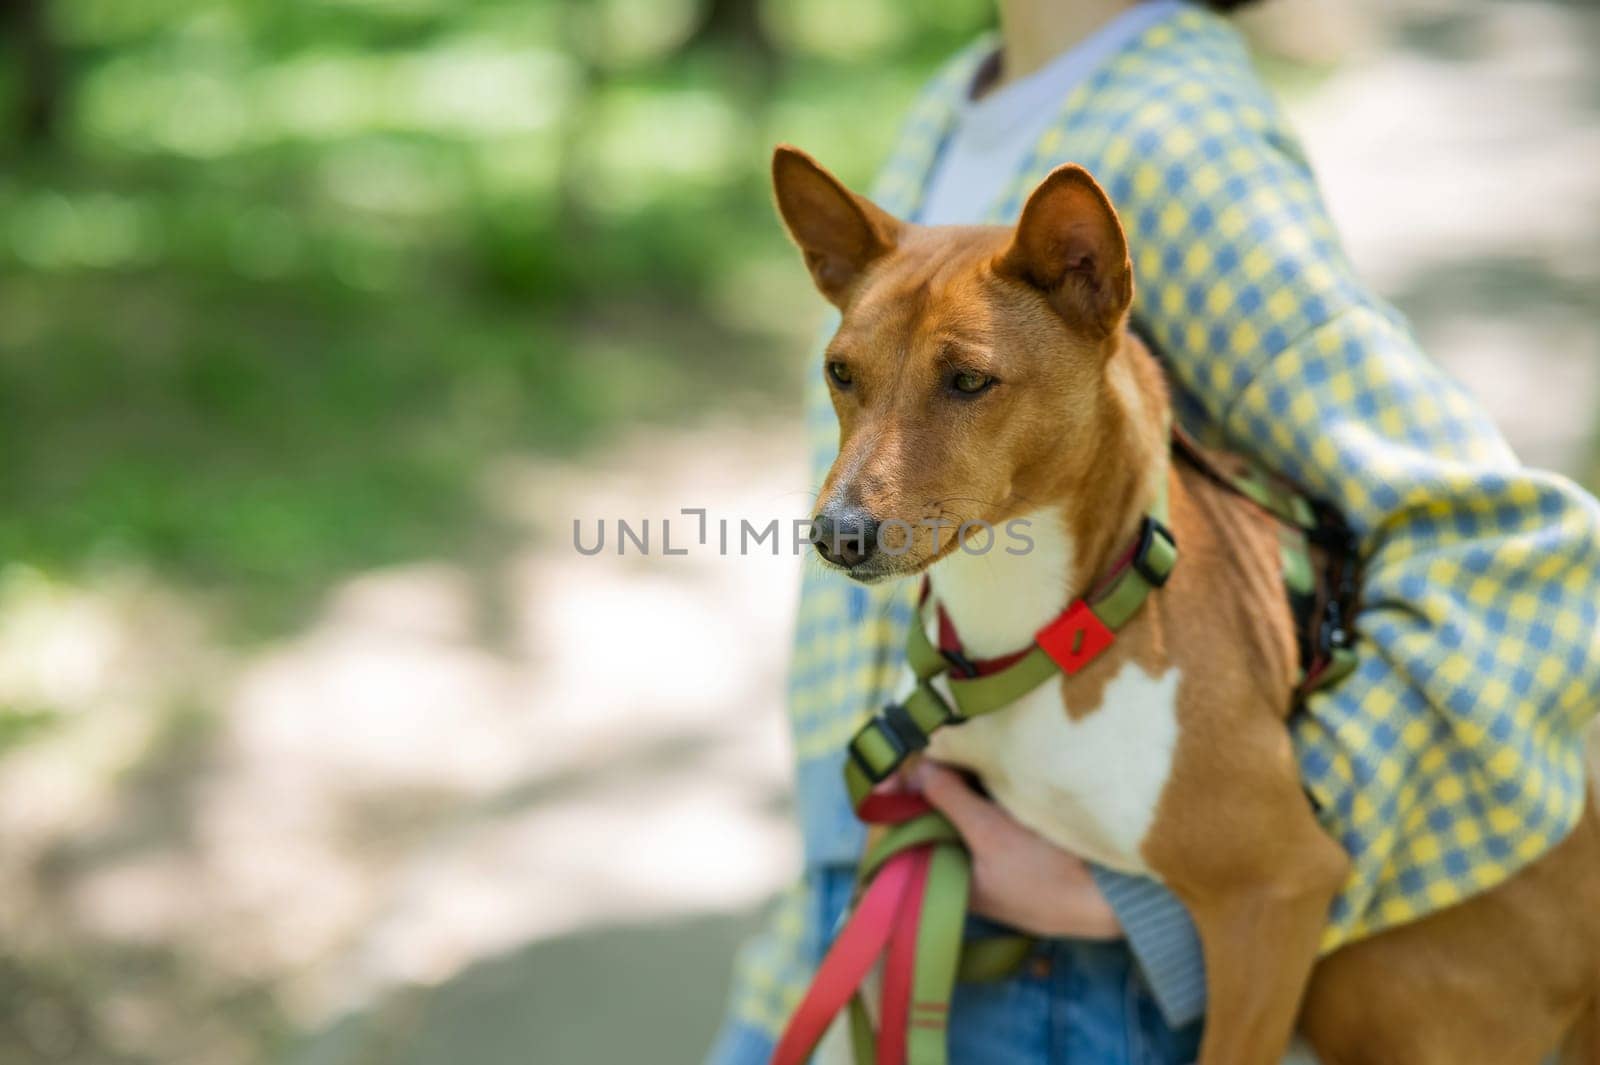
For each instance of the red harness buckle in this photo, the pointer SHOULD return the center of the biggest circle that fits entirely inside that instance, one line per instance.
(1075, 638)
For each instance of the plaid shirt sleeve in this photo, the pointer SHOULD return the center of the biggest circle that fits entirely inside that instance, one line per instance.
(1453, 755)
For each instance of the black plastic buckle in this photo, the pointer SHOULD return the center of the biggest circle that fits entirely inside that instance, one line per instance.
(1332, 533)
(894, 739)
(1149, 529)
(961, 662)
(1338, 614)
(1331, 631)
(905, 731)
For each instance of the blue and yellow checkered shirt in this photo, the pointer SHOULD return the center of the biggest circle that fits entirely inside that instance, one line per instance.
(1452, 756)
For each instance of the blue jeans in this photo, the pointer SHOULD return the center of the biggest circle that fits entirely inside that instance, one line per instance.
(1071, 1003)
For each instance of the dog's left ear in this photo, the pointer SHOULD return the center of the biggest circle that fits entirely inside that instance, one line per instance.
(1069, 245)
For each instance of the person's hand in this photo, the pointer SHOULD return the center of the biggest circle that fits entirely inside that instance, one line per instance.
(1018, 877)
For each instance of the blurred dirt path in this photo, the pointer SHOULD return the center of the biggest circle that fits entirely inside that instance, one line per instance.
(450, 773)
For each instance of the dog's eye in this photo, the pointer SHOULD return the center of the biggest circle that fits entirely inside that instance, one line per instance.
(969, 383)
(840, 374)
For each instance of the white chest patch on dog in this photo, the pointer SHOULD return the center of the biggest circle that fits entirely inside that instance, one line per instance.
(1090, 785)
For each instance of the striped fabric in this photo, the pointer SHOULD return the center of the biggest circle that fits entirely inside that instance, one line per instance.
(1163, 940)
(1452, 755)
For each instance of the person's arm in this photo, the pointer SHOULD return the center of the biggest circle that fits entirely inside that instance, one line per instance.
(1480, 588)
(1459, 733)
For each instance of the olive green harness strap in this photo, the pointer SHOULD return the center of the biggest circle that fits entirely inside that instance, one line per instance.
(939, 955)
(901, 729)
(942, 956)
(1322, 597)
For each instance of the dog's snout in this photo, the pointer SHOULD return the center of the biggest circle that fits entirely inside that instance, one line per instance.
(845, 536)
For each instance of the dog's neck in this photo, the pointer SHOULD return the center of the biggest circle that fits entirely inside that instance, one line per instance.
(998, 599)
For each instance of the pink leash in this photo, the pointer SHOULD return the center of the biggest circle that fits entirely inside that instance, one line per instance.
(883, 924)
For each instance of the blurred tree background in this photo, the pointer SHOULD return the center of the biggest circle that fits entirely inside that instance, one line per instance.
(276, 279)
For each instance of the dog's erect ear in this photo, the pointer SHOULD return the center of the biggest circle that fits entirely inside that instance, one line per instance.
(839, 232)
(1070, 246)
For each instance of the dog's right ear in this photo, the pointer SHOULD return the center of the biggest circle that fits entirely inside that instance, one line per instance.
(839, 233)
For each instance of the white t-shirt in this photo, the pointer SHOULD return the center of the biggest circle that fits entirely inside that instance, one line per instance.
(993, 136)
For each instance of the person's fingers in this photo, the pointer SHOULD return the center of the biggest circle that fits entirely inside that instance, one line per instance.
(975, 817)
(895, 785)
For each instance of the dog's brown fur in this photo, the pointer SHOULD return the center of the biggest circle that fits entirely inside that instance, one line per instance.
(1076, 420)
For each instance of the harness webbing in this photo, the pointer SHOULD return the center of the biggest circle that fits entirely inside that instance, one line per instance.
(1321, 596)
(1065, 645)
(915, 877)
(920, 856)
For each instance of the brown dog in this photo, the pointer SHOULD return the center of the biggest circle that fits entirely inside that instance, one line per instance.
(986, 374)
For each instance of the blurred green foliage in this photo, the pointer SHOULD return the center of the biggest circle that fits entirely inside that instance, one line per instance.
(286, 276)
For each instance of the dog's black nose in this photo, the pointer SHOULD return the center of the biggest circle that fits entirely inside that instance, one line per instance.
(845, 536)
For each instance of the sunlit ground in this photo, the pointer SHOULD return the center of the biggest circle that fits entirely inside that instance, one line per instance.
(419, 781)
(497, 802)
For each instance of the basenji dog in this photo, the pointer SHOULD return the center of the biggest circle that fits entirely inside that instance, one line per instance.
(986, 374)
